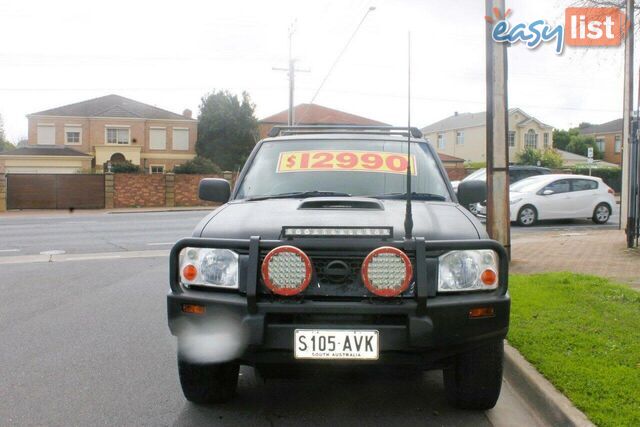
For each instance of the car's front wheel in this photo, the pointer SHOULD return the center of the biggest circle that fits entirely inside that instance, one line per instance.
(475, 378)
(208, 383)
(527, 216)
(601, 213)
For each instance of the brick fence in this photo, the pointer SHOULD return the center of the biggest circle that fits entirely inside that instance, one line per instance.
(124, 190)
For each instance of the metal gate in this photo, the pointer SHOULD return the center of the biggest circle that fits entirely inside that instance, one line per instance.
(55, 191)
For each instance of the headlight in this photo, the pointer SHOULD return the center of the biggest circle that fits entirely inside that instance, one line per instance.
(462, 271)
(209, 267)
(514, 201)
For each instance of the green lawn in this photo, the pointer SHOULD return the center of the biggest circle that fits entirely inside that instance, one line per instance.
(583, 334)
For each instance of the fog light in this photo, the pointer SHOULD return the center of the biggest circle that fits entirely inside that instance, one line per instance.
(387, 271)
(286, 270)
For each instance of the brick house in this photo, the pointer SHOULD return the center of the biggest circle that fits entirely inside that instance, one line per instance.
(608, 138)
(314, 114)
(85, 136)
(464, 135)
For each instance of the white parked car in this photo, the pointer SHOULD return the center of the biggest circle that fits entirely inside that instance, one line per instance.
(559, 197)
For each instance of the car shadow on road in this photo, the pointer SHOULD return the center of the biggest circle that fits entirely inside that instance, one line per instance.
(359, 398)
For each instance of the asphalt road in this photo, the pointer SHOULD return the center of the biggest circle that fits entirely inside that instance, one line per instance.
(84, 341)
(83, 233)
(95, 232)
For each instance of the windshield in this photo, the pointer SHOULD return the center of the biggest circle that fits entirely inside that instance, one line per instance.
(527, 185)
(354, 167)
(480, 175)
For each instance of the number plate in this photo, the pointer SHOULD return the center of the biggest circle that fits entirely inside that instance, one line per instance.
(335, 344)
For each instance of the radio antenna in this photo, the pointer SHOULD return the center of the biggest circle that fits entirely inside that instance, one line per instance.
(408, 217)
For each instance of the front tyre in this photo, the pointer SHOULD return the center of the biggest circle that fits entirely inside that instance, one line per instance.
(527, 216)
(475, 378)
(601, 213)
(208, 383)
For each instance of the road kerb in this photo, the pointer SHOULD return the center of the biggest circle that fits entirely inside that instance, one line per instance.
(551, 405)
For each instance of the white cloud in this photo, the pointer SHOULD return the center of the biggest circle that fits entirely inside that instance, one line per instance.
(171, 53)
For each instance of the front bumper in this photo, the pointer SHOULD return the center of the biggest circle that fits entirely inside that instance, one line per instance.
(423, 330)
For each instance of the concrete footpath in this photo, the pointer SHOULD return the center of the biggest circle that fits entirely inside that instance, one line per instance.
(599, 252)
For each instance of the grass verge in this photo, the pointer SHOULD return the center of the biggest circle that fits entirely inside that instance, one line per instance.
(583, 334)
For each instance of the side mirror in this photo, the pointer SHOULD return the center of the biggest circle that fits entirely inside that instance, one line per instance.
(214, 190)
(471, 192)
(548, 192)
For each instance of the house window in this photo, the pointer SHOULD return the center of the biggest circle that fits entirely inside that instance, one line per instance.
(118, 136)
(618, 146)
(180, 139)
(158, 138)
(46, 135)
(512, 138)
(441, 141)
(600, 144)
(459, 138)
(531, 139)
(73, 135)
(546, 140)
(156, 168)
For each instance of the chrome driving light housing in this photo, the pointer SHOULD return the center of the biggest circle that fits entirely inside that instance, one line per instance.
(471, 270)
(217, 268)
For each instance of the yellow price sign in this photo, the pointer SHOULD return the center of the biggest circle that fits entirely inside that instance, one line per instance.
(357, 161)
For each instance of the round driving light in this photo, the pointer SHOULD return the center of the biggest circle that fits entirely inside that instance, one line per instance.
(488, 277)
(286, 270)
(189, 272)
(387, 271)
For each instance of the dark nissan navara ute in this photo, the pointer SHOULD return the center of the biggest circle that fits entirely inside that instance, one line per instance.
(312, 260)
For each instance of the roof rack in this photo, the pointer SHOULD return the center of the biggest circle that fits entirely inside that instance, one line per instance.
(319, 129)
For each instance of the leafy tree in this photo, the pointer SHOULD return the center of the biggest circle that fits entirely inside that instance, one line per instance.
(125, 167)
(551, 159)
(198, 165)
(561, 137)
(579, 144)
(4, 144)
(545, 158)
(227, 129)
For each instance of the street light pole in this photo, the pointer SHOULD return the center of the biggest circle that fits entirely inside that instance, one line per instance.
(498, 214)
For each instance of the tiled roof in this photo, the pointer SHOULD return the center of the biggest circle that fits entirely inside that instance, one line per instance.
(112, 106)
(314, 114)
(468, 120)
(457, 121)
(38, 150)
(448, 158)
(608, 127)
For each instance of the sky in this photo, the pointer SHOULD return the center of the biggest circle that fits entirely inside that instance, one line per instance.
(170, 54)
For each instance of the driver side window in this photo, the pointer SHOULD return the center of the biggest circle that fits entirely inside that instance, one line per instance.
(561, 186)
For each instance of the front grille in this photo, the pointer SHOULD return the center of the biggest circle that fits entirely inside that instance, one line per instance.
(325, 281)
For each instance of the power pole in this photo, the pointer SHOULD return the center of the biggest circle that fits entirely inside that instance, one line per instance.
(291, 70)
(498, 225)
(628, 194)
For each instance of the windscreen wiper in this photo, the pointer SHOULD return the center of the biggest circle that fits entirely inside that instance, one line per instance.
(414, 196)
(300, 194)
